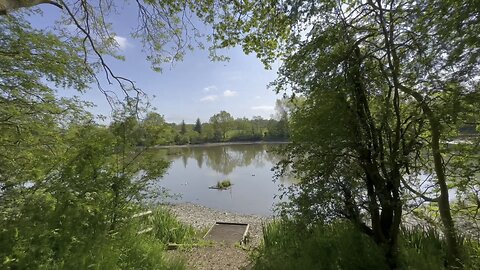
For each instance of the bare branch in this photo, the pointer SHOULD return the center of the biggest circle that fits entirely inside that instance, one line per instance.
(421, 195)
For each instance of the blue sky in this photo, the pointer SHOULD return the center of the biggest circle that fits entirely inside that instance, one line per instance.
(195, 87)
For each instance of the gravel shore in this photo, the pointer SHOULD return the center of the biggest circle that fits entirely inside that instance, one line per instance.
(218, 256)
(202, 217)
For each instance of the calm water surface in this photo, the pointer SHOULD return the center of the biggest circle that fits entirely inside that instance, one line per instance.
(194, 169)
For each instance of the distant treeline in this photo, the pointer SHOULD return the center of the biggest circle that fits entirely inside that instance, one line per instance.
(221, 127)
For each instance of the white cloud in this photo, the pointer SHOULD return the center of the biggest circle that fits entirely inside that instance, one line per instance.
(229, 93)
(209, 88)
(122, 42)
(257, 97)
(263, 108)
(209, 98)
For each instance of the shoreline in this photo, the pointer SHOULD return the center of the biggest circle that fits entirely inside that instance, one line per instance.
(219, 144)
(201, 217)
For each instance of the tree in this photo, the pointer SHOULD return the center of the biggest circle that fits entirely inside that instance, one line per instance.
(412, 64)
(73, 179)
(217, 132)
(30, 114)
(222, 122)
(32, 132)
(165, 28)
(183, 128)
(357, 151)
(157, 131)
(393, 58)
(198, 126)
(207, 132)
(9, 5)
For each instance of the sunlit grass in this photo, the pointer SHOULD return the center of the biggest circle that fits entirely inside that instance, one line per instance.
(290, 245)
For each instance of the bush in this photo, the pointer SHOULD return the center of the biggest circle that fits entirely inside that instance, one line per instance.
(223, 184)
(87, 245)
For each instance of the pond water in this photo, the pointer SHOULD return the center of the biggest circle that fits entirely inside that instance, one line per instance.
(248, 167)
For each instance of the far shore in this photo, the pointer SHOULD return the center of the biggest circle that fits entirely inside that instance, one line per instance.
(218, 144)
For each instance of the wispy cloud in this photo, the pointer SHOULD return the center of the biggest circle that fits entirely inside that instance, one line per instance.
(122, 42)
(229, 93)
(257, 97)
(209, 88)
(262, 108)
(209, 98)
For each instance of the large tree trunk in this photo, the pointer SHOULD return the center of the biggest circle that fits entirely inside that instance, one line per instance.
(453, 249)
(9, 5)
(382, 185)
(449, 231)
(387, 27)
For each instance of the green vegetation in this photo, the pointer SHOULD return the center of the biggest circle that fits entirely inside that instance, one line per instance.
(224, 184)
(222, 127)
(167, 229)
(383, 86)
(69, 186)
(68, 248)
(288, 244)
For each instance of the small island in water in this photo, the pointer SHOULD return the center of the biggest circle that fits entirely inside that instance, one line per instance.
(222, 185)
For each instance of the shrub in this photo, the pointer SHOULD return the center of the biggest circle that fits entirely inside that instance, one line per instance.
(223, 184)
(86, 245)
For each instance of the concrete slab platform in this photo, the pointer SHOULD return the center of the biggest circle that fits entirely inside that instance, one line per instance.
(228, 233)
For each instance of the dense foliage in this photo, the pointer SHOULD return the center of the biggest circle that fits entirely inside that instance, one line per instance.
(222, 127)
(69, 186)
(387, 86)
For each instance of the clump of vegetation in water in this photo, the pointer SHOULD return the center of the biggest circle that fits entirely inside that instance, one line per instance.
(225, 184)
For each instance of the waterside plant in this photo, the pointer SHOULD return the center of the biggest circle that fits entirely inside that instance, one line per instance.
(224, 184)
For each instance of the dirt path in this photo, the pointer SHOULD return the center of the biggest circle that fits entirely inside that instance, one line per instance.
(219, 256)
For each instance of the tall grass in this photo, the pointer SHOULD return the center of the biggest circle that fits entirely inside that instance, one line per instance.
(99, 248)
(291, 245)
(168, 229)
(288, 245)
(421, 248)
(471, 251)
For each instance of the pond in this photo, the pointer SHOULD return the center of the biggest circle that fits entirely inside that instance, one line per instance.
(248, 167)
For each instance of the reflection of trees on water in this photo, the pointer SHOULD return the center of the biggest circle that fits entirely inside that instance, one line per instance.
(195, 153)
(198, 155)
(185, 160)
(224, 159)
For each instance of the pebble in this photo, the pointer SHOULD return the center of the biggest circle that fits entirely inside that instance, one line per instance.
(202, 217)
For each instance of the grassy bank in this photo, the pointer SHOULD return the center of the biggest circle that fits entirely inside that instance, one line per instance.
(290, 245)
(125, 248)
